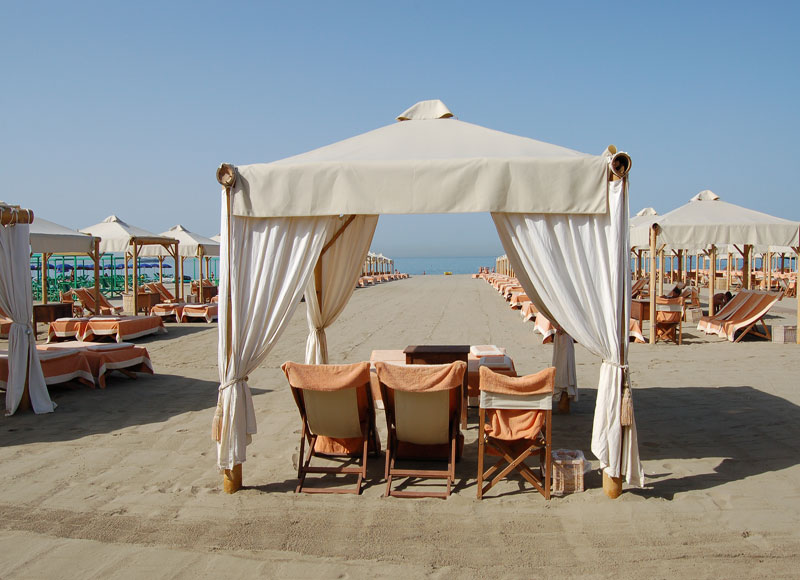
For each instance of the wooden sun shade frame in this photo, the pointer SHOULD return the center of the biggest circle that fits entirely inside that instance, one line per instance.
(618, 168)
(136, 243)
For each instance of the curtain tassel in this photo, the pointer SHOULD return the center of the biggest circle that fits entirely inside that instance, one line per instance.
(626, 413)
(216, 424)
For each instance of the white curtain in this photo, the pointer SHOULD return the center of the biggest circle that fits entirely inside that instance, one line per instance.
(341, 266)
(17, 301)
(566, 380)
(271, 261)
(578, 265)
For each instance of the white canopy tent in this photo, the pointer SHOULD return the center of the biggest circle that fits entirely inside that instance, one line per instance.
(304, 224)
(708, 222)
(25, 386)
(119, 236)
(48, 238)
(190, 245)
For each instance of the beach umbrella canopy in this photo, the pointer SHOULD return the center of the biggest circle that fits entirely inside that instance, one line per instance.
(117, 235)
(708, 220)
(52, 238)
(191, 245)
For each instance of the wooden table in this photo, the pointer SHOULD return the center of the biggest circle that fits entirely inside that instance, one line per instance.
(208, 293)
(435, 354)
(49, 313)
(640, 310)
(146, 301)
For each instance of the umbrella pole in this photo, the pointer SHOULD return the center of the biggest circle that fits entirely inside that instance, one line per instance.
(135, 278)
(653, 241)
(45, 290)
(96, 259)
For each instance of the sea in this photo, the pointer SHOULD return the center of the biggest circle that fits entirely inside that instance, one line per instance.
(438, 266)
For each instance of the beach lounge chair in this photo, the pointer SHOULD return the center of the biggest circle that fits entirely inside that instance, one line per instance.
(744, 320)
(86, 298)
(423, 410)
(338, 419)
(514, 423)
(637, 288)
(69, 298)
(164, 294)
(669, 319)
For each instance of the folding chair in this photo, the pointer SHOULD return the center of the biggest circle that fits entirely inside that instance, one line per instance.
(423, 410)
(338, 419)
(515, 417)
(669, 319)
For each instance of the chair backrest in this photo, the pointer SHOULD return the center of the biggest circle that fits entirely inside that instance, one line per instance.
(529, 392)
(332, 399)
(669, 310)
(422, 401)
(86, 299)
(66, 297)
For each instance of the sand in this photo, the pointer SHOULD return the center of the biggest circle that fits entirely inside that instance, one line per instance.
(122, 482)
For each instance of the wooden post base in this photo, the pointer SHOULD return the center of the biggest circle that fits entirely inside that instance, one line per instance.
(563, 404)
(232, 479)
(612, 486)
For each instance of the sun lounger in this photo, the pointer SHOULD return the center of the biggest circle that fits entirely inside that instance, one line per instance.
(338, 419)
(58, 367)
(744, 321)
(517, 300)
(207, 312)
(86, 298)
(544, 327)
(710, 324)
(423, 409)
(121, 328)
(103, 358)
(514, 423)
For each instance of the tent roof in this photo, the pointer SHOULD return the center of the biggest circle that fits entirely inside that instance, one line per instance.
(190, 244)
(116, 235)
(707, 220)
(50, 237)
(425, 165)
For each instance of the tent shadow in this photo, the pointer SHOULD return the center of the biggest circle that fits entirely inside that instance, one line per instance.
(123, 403)
(750, 430)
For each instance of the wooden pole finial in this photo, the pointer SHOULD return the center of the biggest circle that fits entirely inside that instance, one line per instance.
(226, 175)
(11, 215)
(620, 163)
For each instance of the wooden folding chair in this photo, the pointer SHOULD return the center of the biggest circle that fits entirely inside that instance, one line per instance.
(338, 420)
(669, 319)
(515, 423)
(423, 410)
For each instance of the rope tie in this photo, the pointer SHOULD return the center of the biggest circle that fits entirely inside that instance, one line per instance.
(216, 423)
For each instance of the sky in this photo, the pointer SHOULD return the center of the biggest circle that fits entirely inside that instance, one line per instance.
(128, 108)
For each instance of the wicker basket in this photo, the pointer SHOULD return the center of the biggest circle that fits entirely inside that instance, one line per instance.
(568, 466)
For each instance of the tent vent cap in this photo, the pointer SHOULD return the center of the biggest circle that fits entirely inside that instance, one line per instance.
(647, 211)
(113, 219)
(434, 109)
(705, 195)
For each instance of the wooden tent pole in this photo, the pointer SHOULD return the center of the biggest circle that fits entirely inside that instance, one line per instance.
(161, 268)
(200, 291)
(797, 289)
(612, 486)
(728, 273)
(96, 260)
(226, 176)
(653, 241)
(712, 280)
(135, 279)
(45, 285)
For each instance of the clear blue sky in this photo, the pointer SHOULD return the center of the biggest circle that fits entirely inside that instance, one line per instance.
(128, 108)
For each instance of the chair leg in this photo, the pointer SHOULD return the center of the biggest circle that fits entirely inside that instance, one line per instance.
(481, 449)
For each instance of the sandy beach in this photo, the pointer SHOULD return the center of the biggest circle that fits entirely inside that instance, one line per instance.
(122, 482)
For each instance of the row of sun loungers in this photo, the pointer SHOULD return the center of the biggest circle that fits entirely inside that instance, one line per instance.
(422, 407)
(740, 316)
(170, 307)
(365, 281)
(514, 294)
(86, 362)
(120, 328)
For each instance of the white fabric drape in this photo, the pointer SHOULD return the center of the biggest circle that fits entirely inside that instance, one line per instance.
(564, 360)
(578, 265)
(271, 261)
(17, 301)
(341, 267)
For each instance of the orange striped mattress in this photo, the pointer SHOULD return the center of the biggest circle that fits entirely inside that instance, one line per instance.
(119, 327)
(206, 311)
(57, 367)
(167, 309)
(102, 358)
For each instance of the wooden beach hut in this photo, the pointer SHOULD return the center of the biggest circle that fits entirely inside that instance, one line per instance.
(119, 236)
(305, 223)
(25, 386)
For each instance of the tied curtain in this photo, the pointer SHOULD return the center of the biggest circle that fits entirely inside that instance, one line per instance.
(578, 266)
(341, 266)
(16, 300)
(268, 264)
